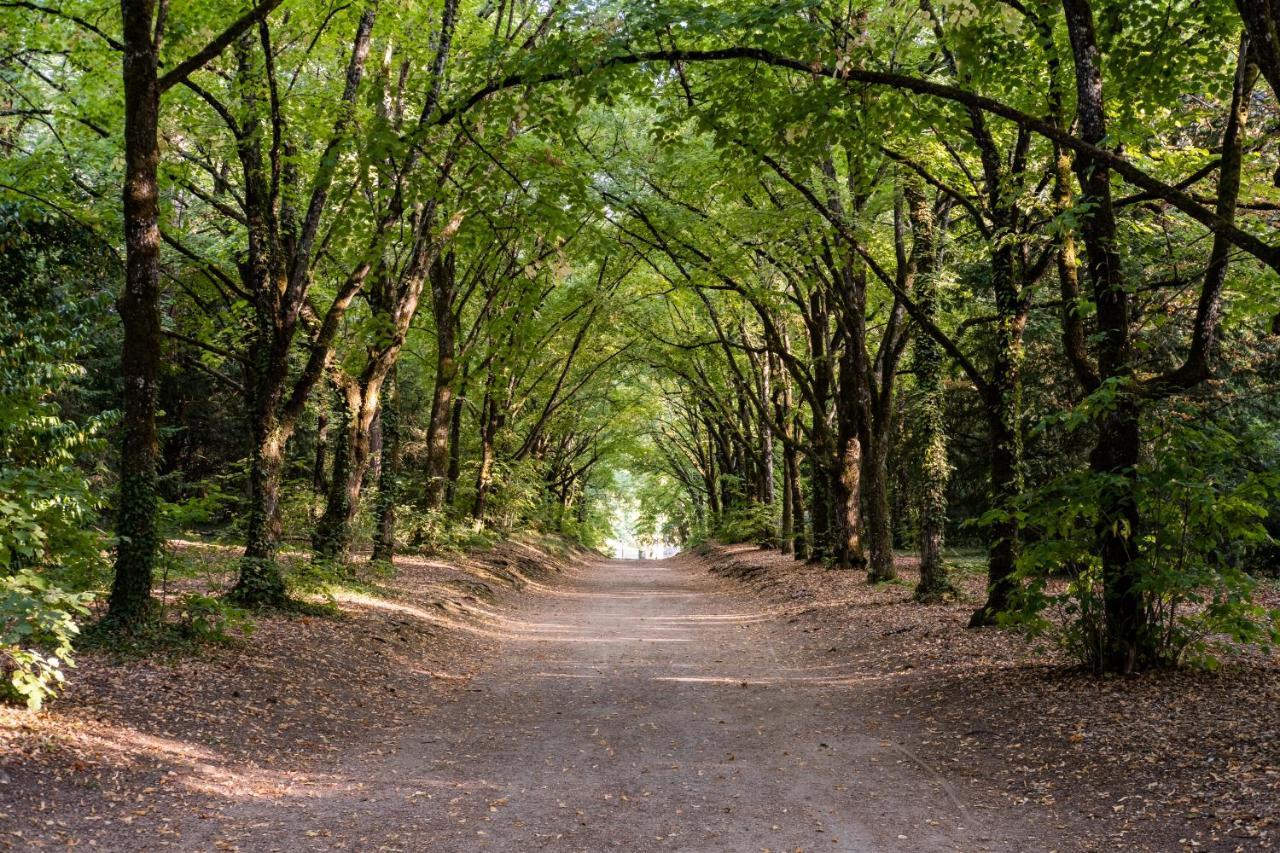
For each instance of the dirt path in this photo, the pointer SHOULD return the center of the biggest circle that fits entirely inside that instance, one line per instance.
(636, 706)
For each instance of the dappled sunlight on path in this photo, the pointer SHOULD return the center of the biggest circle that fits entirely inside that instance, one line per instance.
(637, 705)
(632, 705)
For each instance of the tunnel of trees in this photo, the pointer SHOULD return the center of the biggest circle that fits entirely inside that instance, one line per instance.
(844, 280)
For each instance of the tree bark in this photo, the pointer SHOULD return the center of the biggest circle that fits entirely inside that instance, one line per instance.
(455, 443)
(767, 487)
(437, 463)
(331, 538)
(800, 542)
(319, 470)
(384, 542)
(1116, 455)
(879, 518)
(488, 452)
(823, 458)
(1262, 23)
(932, 470)
(260, 581)
(782, 414)
(851, 409)
(137, 537)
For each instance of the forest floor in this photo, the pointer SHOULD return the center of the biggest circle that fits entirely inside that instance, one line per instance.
(734, 700)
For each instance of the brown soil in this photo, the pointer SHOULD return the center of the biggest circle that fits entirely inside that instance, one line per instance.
(633, 706)
(1163, 761)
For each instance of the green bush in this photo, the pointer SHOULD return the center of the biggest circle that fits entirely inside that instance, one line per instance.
(208, 619)
(37, 624)
(1202, 517)
(748, 522)
(50, 463)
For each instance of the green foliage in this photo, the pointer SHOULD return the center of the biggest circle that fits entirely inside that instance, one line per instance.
(205, 508)
(49, 463)
(646, 270)
(202, 618)
(439, 532)
(37, 626)
(1202, 516)
(49, 500)
(747, 522)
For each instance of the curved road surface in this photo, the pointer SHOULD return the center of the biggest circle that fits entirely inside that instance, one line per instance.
(638, 706)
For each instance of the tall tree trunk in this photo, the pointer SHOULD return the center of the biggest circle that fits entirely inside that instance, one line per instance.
(822, 458)
(332, 535)
(137, 538)
(455, 443)
(359, 401)
(800, 541)
(1262, 23)
(932, 470)
(786, 527)
(875, 474)
(384, 541)
(1002, 402)
(266, 371)
(437, 464)
(782, 414)
(847, 550)
(819, 508)
(319, 475)
(1115, 457)
(488, 434)
(1003, 406)
(276, 273)
(260, 581)
(766, 438)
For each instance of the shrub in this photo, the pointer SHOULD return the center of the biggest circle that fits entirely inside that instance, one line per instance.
(37, 624)
(747, 522)
(207, 619)
(1202, 518)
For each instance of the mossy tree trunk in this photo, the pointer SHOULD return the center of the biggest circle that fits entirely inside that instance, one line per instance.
(932, 469)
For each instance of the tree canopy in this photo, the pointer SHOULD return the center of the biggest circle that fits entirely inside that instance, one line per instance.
(845, 280)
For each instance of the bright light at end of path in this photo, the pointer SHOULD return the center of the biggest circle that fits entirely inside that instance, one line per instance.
(635, 534)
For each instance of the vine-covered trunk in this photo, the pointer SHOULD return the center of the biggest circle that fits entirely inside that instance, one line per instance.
(792, 526)
(328, 537)
(437, 463)
(786, 527)
(1126, 644)
(138, 305)
(260, 581)
(319, 470)
(767, 486)
(846, 500)
(931, 468)
(1002, 401)
(799, 542)
(848, 551)
(879, 518)
(357, 407)
(266, 371)
(933, 472)
(1006, 486)
(820, 508)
